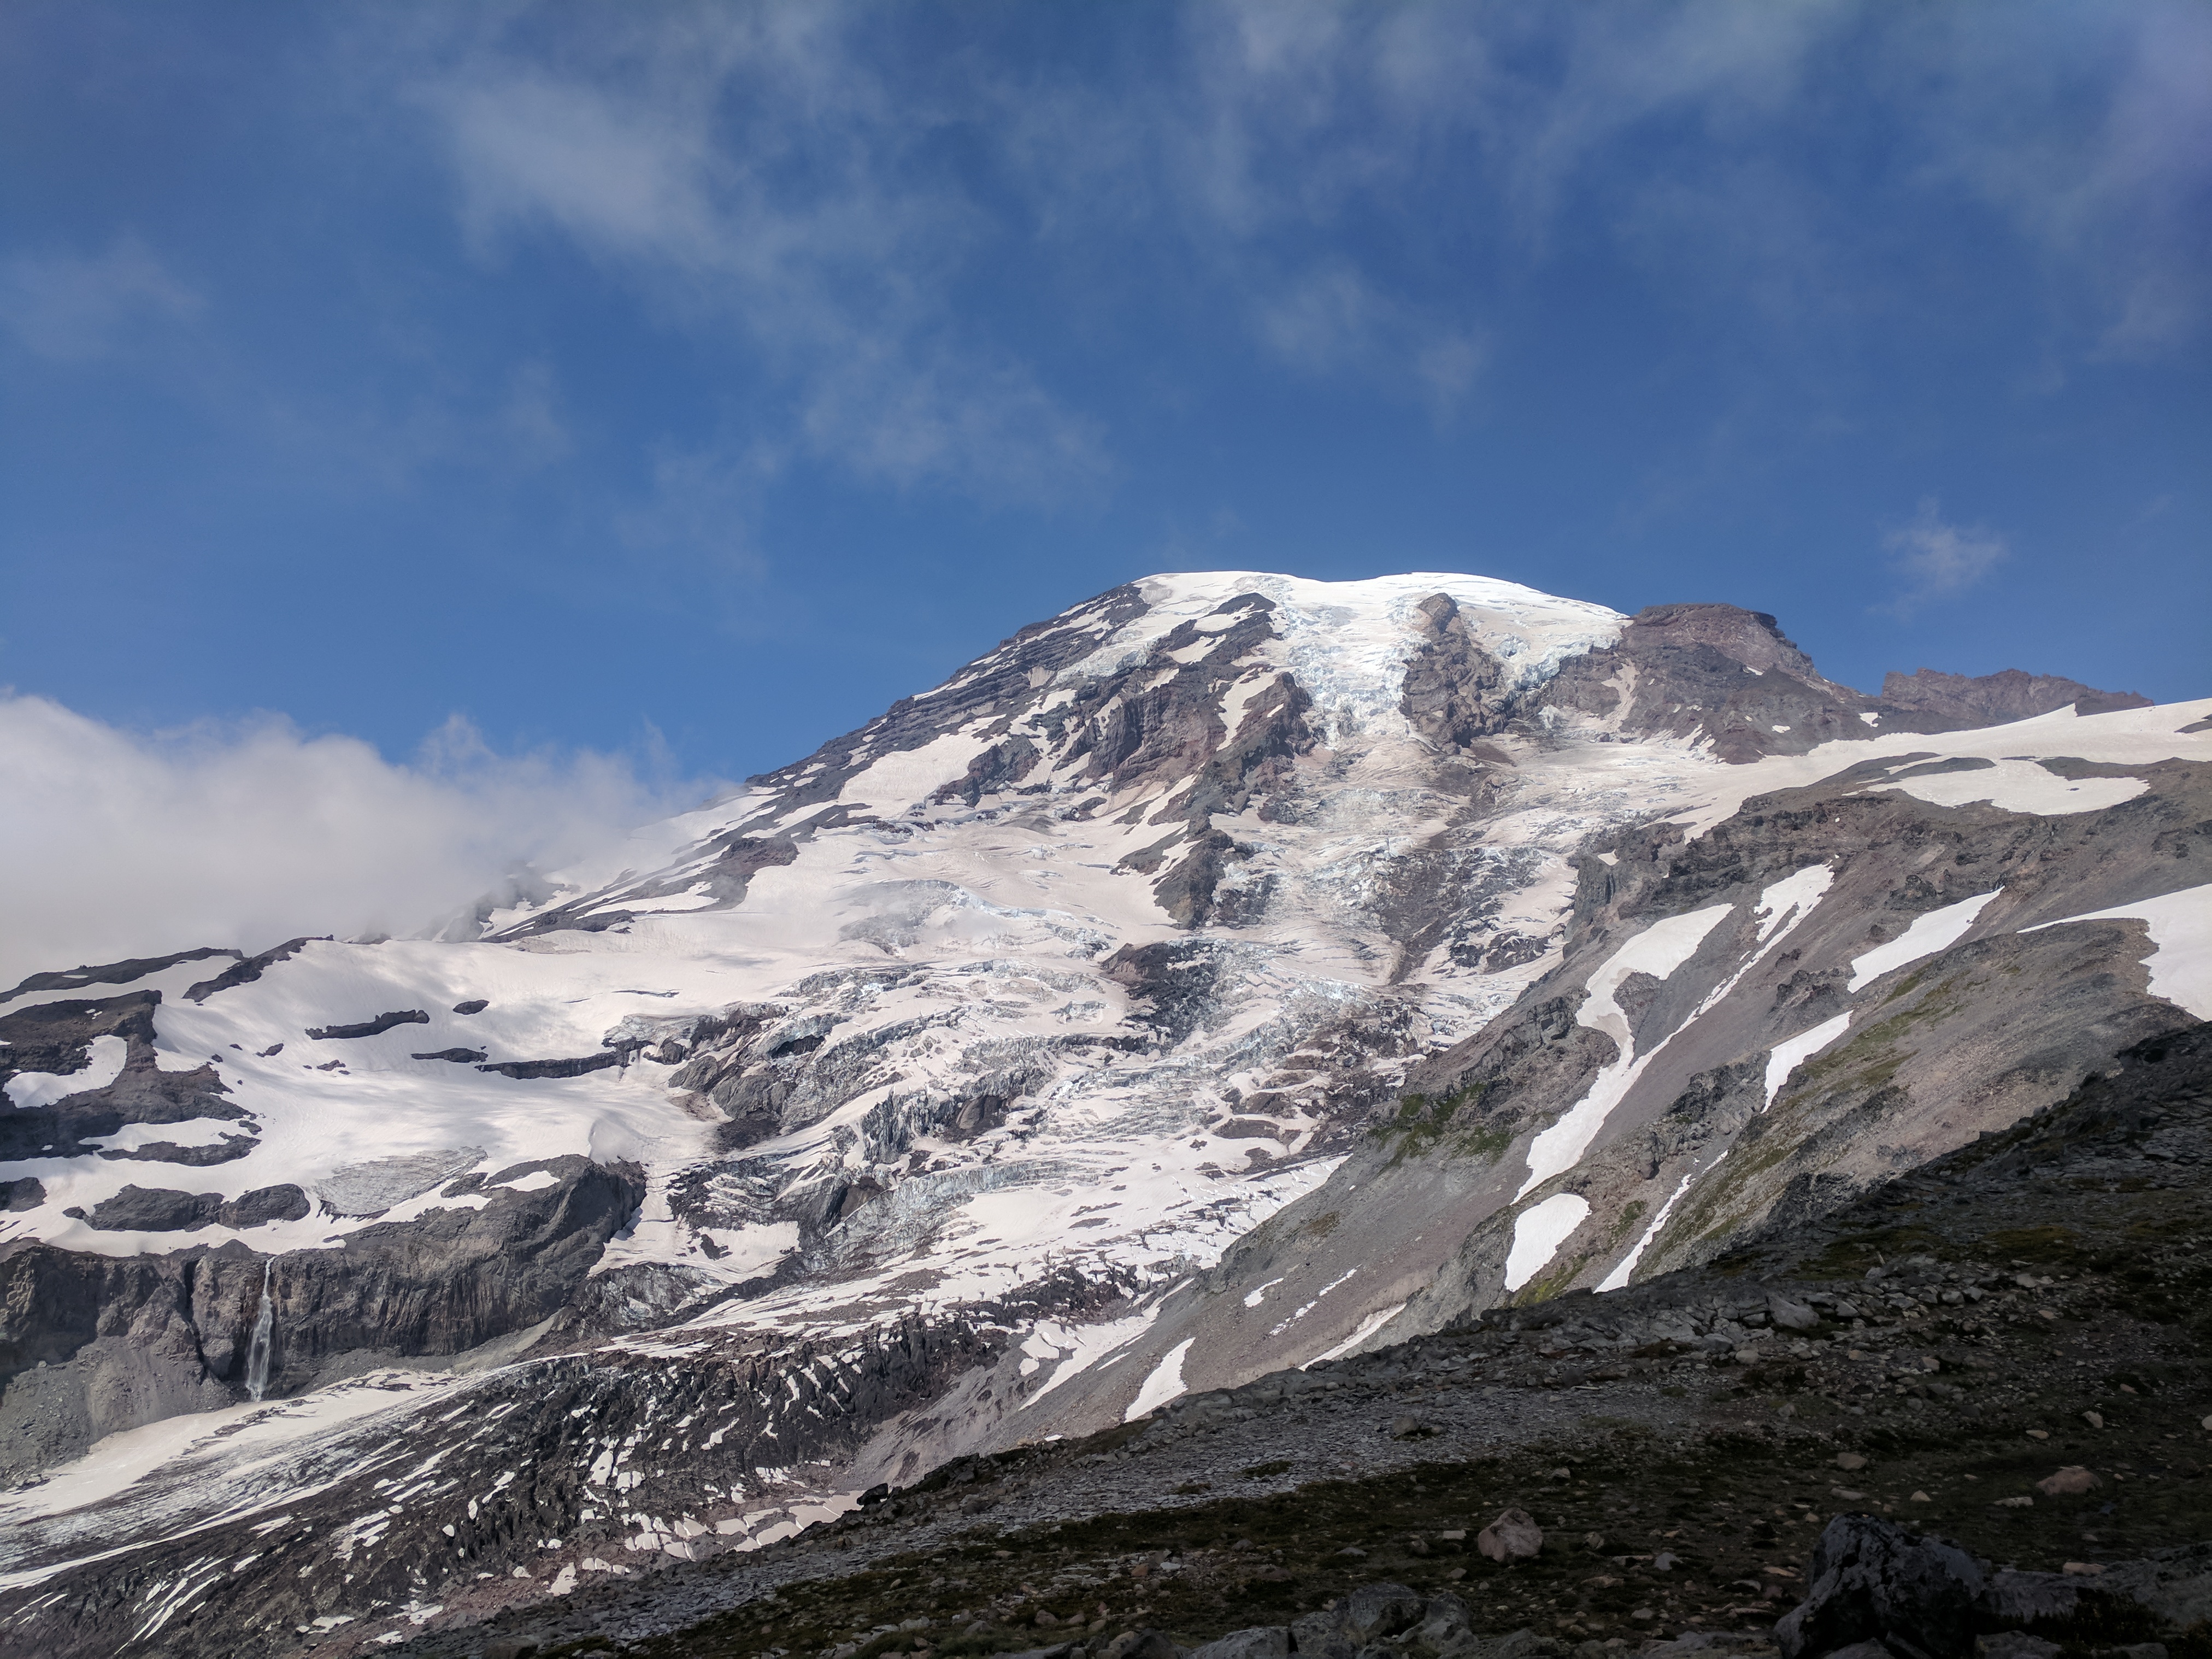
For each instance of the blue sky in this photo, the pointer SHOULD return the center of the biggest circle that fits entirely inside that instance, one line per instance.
(691, 382)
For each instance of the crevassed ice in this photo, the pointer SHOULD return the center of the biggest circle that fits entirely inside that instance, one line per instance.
(1347, 642)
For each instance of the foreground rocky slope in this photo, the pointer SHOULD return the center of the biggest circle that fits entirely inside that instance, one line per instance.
(1231, 974)
(1941, 1354)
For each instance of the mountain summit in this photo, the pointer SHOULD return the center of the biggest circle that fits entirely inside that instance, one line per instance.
(1231, 973)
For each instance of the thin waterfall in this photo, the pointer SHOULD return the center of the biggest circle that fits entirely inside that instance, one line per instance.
(264, 1331)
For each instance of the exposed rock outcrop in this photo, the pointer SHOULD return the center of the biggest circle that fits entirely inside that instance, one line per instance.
(1957, 701)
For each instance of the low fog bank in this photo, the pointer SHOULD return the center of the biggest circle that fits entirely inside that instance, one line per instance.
(117, 844)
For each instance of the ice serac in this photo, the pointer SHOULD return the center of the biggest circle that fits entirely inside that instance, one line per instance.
(1232, 972)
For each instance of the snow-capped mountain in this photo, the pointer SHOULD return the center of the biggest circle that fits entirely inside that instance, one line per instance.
(1227, 973)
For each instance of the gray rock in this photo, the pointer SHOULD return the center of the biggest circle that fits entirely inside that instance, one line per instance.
(1519, 1644)
(2021, 1598)
(1261, 1642)
(368, 1028)
(1871, 1579)
(1375, 1611)
(1318, 1636)
(1445, 1624)
(1140, 1644)
(2175, 1585)
(1789, 1314)
(147, 1337)
(265, 1204)
(2013, 1644)
(1514, 1536)
(1408, 1427)
(153, 1210)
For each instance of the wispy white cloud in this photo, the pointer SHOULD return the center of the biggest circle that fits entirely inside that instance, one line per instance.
(115, 844)
(824, 197)
(1935, 558)
(1700, 139)
(2089, 136)
(756, 179)
(71, 307)
(532, 420)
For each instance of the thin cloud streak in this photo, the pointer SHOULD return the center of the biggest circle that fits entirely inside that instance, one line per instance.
(68, 308)
(756, 180)
(1938, 559)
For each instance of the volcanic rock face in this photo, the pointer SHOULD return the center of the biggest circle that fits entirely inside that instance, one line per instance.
(1231, 971)
(1996, 699)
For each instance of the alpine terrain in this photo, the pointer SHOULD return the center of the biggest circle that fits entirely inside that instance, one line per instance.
(1235, 977)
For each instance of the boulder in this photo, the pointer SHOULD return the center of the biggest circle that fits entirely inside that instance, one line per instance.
(1318, 1636)
(1514, 1536)
(1444, 1622)
(1789, 1314)
(137, 1209)
(1261, 1642)
(1375, 1611)
(1871, 1579)
(283, 1203)
(1519, 1644)
(2069, 1482)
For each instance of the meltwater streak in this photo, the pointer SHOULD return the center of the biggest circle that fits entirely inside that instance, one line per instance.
(264, 1329)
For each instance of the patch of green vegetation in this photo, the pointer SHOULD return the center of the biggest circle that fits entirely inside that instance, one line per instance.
(1906, 986)
(1848, 1258)
(2052, 1242)
(1420, 1122)
(1872, 1060)
(1483, 1140)
(1631, 1213)
(1717, 1207)
(1554, 1283)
